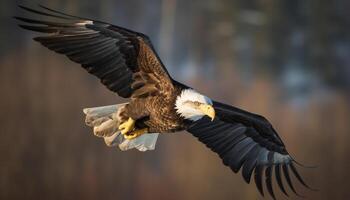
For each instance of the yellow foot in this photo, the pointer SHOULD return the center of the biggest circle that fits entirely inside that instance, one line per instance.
(135, 134)
(127, 126)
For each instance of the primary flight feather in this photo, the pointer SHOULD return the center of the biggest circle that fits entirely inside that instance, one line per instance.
(126, 63)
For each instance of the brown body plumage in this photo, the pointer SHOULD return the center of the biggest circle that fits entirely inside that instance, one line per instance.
(153, 100)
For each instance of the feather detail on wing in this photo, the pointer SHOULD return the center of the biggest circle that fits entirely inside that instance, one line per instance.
(248, 142)
(113, 54)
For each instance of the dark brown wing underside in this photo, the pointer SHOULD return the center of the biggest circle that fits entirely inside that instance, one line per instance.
(247, 142)
(151, 79)
(117, 56)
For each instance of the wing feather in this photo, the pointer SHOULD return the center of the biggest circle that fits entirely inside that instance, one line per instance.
(279, 179)
(258, 178)
(247, 141)
(268, 180)
(111, 53)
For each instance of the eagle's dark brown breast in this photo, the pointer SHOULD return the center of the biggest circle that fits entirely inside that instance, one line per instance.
(163, 115)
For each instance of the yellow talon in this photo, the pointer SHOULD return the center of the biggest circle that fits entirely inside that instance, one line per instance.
(127, 126)
(135, 134)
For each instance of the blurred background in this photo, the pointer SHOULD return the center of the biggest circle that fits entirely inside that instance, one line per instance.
(286, 60)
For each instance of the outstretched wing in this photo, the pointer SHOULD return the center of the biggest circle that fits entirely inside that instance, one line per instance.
(248, 141)
(123, 60)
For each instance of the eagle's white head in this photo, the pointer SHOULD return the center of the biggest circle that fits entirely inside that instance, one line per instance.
(193, 105)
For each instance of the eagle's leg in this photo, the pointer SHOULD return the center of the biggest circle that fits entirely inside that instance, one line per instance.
(135, 134)
(127, 126)
(134, 110)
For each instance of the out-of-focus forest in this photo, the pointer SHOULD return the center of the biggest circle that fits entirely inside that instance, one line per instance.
(286, 60)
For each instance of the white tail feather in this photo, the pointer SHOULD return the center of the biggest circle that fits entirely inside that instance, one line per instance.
(105, 124)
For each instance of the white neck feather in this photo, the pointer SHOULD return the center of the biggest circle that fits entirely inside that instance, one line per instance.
(185, 110)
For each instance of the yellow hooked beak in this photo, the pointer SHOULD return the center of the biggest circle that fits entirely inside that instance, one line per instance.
(208, 110)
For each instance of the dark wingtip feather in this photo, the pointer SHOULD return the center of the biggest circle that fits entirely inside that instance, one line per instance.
(71, 16)
(297, 175)
(42, 29)
(22, 19)
(16, 18)
(279, 179)
(305, 166)
(268, 181)
(289, 181)
(48, 23)
(42, 13)
(257, 178)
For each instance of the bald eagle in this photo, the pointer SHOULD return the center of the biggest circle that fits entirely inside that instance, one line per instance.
(127, 64)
